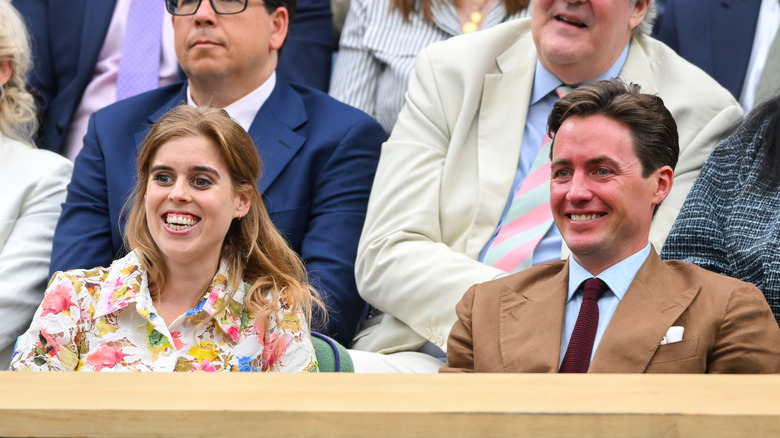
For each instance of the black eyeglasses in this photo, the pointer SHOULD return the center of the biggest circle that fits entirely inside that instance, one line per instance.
(189, 7)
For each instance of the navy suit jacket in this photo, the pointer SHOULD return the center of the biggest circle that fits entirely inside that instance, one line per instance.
(319, 157)
(69, 34)
(717, 36)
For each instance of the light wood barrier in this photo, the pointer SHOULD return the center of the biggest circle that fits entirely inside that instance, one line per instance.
(350, 405)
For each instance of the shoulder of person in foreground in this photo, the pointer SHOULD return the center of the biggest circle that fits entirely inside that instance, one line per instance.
(480, 312)
(736, 327)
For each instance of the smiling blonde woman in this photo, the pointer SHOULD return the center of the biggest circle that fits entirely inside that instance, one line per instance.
(209, 284)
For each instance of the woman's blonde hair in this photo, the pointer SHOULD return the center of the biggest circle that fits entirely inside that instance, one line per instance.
(253, 248)
(406, 7)
(17, 105)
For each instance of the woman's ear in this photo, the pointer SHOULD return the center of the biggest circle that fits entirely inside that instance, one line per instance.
(244, 201)
(6, 70)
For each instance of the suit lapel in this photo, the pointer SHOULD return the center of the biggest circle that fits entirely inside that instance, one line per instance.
(275, 131)
(650, 306)
(531, 325)
(97, 18)
(504, 105)
(731, 45)
(179, 99)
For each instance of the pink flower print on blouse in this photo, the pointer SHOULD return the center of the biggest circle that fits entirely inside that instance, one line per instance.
(176, 341)
(275, 347)
(47, 345)
(205, 366)
(105, 357)
(57, 301)
(118, 293)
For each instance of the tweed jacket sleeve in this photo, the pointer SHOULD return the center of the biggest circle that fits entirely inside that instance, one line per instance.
(728, 223)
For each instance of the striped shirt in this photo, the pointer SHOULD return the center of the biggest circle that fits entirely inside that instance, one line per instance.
(378, 49)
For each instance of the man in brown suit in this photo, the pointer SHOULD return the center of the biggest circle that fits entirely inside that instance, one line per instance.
(613, 159)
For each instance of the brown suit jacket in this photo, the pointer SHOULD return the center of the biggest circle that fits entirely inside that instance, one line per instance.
(514, 324)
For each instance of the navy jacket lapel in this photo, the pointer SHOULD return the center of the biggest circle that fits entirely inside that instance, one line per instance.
(179, 99)
(732, 44)
(275, 131)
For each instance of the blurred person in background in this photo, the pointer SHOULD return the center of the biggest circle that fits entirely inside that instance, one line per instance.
(33, 183)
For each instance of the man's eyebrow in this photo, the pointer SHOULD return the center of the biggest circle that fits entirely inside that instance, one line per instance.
(603, 159)
(560, 162)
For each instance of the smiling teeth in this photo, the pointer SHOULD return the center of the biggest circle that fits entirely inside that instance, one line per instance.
(179, 223)
(566, 20)
(584, 217)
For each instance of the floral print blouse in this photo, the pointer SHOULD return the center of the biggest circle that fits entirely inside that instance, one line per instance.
(104, 320)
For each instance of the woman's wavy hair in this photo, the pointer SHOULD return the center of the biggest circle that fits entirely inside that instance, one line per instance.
(17, 105)
(253, 248)
(407, 7)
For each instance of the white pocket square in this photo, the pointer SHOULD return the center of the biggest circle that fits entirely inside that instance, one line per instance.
(674, 334)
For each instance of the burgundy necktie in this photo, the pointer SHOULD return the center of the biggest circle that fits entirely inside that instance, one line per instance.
(577, 357)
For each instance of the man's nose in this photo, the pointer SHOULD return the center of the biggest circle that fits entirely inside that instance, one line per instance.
(579, 189)
(205, 14)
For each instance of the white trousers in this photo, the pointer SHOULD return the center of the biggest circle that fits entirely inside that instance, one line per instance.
(411, 362)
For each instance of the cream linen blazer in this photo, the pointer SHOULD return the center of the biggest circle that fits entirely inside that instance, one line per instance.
(34, 183)
(445, 174)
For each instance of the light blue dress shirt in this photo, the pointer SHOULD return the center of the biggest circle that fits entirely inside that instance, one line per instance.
(617, 277)
(543, 97)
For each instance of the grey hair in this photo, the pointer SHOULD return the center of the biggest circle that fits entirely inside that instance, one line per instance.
(646, 26)
(17, 105)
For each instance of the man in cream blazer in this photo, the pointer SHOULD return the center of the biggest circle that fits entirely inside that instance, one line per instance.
(613, 156)
(446, 173)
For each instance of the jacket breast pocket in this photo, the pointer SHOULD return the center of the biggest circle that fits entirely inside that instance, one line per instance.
(673, 352)
(679, 357)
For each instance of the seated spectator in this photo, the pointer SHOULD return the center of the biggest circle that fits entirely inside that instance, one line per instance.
(729, 222)
(33, 189)
(461, 193)
(381, 39)
(209, 285)
(730, 40)
(319, 154)
(614, 306)
(100, 38)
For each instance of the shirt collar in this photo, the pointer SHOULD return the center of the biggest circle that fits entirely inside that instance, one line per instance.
(618, 277)
(545, 82)
(127, 283)
(244, 110)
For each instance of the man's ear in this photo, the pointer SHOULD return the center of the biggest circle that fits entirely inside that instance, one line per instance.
(280, 22)
(638, 12)
(665, 178)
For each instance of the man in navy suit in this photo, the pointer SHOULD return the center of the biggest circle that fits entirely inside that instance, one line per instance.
(319, 155)
(68, 37)
(715, 36)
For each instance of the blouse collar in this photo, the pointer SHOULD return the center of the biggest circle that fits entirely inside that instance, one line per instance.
(127, 283)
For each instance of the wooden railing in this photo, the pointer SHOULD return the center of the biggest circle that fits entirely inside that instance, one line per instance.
(351, 405)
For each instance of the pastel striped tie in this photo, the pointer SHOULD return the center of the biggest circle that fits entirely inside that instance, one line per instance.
(529, 217)
(139, 65)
